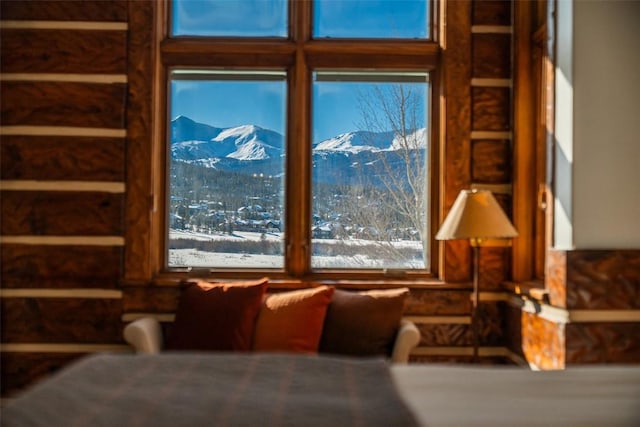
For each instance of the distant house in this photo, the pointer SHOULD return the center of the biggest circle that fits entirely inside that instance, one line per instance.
(176, 221)
(322, 232)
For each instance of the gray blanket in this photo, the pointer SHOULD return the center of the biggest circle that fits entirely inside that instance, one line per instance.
(195, 389)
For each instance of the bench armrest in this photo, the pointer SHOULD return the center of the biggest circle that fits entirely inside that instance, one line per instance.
(407, 339)
(145, 335)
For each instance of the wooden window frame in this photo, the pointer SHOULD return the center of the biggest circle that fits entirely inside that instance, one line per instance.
(152, 52)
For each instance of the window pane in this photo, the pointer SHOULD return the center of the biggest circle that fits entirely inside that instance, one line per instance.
(229, 18)
(399, 19)
(370, 171)
(226, 180)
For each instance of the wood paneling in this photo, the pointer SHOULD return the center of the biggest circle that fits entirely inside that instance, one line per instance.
(63, 51)
(491, 12)
(491, 108)
(438, 302)
(445, 335)
(62, 158)
(30, 266)
(491, 56)
(555, 277)
(606, 342)
(134, 106)
(457, 149)
(141, 95)
(61, 213)
(594, 279)
(61, 320)
(543, 342)
(63, 104)
(601, 279)
(150, 300)
(64, 10)
(494, 268)
(491, 161)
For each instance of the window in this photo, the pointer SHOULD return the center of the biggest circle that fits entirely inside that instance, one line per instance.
(226, 176)
(369, 170)
(298, 144)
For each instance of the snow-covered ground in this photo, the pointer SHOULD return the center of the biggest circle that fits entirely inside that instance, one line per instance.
(196, 258)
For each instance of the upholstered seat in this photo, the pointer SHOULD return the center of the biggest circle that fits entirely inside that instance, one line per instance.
(242, 316)
(145, 336)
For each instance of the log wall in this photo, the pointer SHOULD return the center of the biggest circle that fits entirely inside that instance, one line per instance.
(63, 96)
(74, 107)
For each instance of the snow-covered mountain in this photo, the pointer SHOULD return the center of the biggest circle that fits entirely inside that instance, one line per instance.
(192, 141)
(251, 149)
(356, 142)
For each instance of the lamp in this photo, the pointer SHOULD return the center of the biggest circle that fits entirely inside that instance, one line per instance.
(477, 216)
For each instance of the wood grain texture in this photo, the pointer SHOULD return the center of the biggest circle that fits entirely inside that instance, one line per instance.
(140, 75)
(150, 299)
(556, 277)
(459, 334)
(63, 51)
(491, 108)
(491, 12)
(594, 279)
(60, 213)
(445, 335)
(20, 370)
(603, 343)
(494, 268)
(491, 56)
(62, 158)
(63, 104)
(490, 327)
(438, 302)
(31, 266)
(457, 149)
(61, 320)
(64, 10)
(543, 342)
(491, 161)
(603, 279)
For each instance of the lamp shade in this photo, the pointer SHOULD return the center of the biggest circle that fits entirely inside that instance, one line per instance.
(476, 214)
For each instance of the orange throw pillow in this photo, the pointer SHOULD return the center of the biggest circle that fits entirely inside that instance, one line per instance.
(363, 323)
(217, 316)
(292, 321)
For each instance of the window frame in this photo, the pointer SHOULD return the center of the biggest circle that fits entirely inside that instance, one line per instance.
(299, 55)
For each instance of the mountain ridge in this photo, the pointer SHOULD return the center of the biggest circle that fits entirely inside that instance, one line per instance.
(252, 149)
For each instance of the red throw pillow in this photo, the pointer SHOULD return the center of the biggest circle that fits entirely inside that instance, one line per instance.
(292, 321)
(217, 316)
(363, 323)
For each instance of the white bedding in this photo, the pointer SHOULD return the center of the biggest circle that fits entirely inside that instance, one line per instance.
(461, 396)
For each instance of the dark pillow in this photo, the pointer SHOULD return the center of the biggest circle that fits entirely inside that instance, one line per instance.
(217, 316)
(363, 323)
(292, 321)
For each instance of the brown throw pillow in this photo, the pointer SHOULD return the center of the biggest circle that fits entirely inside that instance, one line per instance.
(292, 321)
(363, 323)
(217, 316)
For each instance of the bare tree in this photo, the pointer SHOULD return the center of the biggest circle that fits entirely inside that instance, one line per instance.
(401, 170)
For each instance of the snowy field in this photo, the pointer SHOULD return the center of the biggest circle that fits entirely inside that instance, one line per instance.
(196, 258)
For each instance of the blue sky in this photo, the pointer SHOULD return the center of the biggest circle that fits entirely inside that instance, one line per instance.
(331, 18)
(228, 103)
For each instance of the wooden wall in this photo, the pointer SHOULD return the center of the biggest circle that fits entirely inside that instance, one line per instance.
(63, 138)
(69, 100)
(589, 311)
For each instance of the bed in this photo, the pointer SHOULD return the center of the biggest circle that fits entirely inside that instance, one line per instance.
(198, 389)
